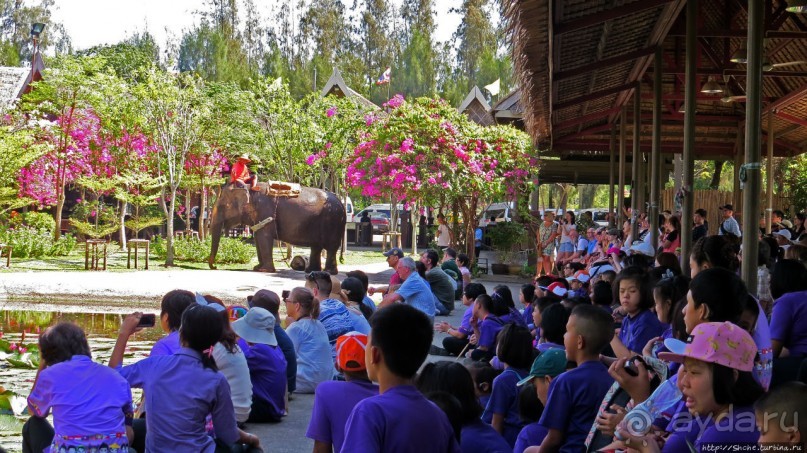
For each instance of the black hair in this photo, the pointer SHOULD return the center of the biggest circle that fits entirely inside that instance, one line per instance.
(322, 281)
(485, 302)
(528, 292)
(268, 300)
(173, 304)
(751, 306)
(717, 251)
(403, 334)
(354, 289)
(506, 295)
(529, 406)
(308, 305)
(451, 377)
(602, 294)
(544, 280)
(362, 276)
(450, 406)
(679, 327)
(639, 276)
(779, 213)
(474, 290)
(450, 252)
(542, 303)
(788, 276)
(463, 260)
(421, 269)
(595, 325)
(553, 323)
(201, 329)
(514, 346)
(740, 392)
(576, 266)
(701, 212)
(571, 213)
(667, 260)
(797, 252)
(675, 222)
(788, 403)
(608, 276)
(493, 304)
(764, 254)
(228, 337)
(432, 256)
(638, 260)
(722, 291)
(61, 342)
(775, 250)
(672, 289)
(482, 373)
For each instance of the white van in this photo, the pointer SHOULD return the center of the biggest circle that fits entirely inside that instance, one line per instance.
(348, 209)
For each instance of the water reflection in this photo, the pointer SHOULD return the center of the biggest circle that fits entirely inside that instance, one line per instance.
(23, 326)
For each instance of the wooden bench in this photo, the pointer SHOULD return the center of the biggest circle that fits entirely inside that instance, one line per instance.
(91, 259)
(188, 233)
(136, 244)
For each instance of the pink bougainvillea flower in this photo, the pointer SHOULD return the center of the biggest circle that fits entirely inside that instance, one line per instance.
(331, 111)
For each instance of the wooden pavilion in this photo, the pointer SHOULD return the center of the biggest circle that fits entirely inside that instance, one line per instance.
(603, 81)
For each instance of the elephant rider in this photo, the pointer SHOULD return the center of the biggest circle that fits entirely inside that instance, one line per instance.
(240, 175)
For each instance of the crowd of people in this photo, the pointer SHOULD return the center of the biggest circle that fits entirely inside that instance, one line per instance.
(614, 349)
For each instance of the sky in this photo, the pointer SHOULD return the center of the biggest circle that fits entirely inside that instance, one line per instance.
(94, 22)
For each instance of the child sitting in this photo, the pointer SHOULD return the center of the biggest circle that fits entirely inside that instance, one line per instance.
(486, 327)
(553, 327)
(91, 404)
(172, 306)
(483, 375)
(400, 418)
(188, 380)
(457, 338)
(514, 350)
(269, 300)
(576, 394)
(267, 365)
(633, 290)
(314, 364)
(545, 369)
(779, 415)
(335, 400)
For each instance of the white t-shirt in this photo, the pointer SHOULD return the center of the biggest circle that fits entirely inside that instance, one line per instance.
(582, 244)
(443, 236)
(234, 367)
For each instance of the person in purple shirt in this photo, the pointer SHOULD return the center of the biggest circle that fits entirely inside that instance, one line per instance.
(526, 297)
(267, 365)
(553, 327)
(172, 306)
(487, 324)
(91, 403)
(188, 380)
(635, 294)
(575, 396)
(269, 300)
(476, 436)
(400, 418)
(335, 400)
(789, 317)
(458, 337)
(514, 350)
(545, 369)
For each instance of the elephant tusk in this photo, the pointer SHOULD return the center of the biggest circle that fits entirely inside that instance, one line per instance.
(262, 223)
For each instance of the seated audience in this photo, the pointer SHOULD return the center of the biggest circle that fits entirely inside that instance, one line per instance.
(311, 347)
(546, 367)
(172, 306)
(269, 301)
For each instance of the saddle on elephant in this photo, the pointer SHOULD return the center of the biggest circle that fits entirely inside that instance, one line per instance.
(280, 189)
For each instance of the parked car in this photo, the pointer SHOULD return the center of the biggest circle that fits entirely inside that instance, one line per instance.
(599, 215)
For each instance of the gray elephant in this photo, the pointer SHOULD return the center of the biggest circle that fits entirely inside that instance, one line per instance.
(315, 218)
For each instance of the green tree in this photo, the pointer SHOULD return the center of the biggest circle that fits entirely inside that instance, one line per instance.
(130, 57)
(212, 54)
(16, 18)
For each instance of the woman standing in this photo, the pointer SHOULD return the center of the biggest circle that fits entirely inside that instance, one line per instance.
(545, 238)
(566, 247)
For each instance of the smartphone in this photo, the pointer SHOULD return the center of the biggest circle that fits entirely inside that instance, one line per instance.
(285, 294)
(631, 369)
(147, 320)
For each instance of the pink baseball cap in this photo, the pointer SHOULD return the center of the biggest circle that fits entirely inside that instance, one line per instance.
(722, 343)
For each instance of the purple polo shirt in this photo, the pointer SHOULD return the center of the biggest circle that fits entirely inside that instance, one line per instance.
(789, 322)
(488, 329)
(399, 420)
(465, 324)
(267, 371)
(479, 437)
(333, 403)
(166, 345)
(637, 330)
(532, 434)
(738, 428)
(180, 393)
(574, 398)
(87, 399)
(504, 400)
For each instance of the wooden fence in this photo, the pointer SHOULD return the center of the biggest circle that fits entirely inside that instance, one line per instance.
(711, 200)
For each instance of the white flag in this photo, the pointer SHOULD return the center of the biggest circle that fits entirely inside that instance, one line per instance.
(494, 87)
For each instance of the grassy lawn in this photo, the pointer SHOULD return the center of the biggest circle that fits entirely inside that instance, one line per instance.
(116, 261)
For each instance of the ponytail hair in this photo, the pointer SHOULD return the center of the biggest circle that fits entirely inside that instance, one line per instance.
(717, 251)
(308, 305)
(201, 329)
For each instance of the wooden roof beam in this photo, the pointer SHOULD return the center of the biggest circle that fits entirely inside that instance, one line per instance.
(790, 119)
(737, 33)
(786, 100)
(586, 118)
(595, 95)
(733, 72)
(610, 14)
(604, 63)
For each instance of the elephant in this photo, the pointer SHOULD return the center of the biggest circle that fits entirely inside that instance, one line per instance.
(315, 218)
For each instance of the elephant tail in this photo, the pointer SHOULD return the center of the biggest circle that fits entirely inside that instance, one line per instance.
(341, 255)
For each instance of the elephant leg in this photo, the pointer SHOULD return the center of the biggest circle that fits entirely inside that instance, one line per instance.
(264, 242)
(330, 261)
(315, 260)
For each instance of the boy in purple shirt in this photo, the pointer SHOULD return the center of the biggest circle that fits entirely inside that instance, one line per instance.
(575, 395)
(400, 418)
(334, 400)
(171, 307)
(545, 369)
(267, 365)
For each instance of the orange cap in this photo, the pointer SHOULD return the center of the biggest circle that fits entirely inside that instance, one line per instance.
(350, 351)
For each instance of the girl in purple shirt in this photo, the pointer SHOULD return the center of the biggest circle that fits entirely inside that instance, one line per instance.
(91, 404)
(633, 290)
(189, 380)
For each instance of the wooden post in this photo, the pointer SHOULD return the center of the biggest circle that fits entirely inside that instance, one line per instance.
(655, 156)
(690, 93)
(769, 176)
(623, 131)
(611, 171)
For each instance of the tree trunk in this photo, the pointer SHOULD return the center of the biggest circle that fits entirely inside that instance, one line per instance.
(187, 209)
(200, 217)
(57, 231)
(122, 235)
(715, 183)
(168, 210)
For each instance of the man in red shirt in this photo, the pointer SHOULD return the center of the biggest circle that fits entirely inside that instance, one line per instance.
(240, 175)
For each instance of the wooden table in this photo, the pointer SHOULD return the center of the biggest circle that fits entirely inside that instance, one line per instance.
(91, 259)
(136, 244)
(189, 233)
(391, 238)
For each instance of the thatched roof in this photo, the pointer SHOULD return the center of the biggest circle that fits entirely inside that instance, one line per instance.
(476, 107)
(16, 81)
(580, 61)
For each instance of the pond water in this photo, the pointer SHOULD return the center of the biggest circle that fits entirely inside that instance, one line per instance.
(23, 326)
